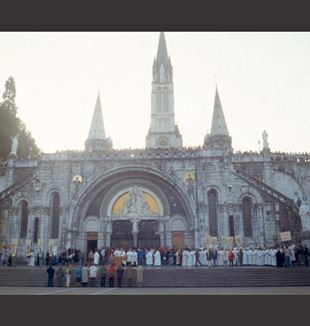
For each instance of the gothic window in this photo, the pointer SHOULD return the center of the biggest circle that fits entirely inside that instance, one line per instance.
(55, 202)
(36, 230)
(247, 216)
(212, 204)
(24, 219)
(231, 223)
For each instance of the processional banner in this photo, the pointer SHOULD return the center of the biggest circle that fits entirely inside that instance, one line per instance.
(28, 247)
(14, 243)
(210, 241)
(40, 244)
(228, 242)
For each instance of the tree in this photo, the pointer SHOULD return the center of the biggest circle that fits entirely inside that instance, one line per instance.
(11, 125)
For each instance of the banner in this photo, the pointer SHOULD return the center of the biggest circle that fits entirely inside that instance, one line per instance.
(210, 241)
(14, 243)
(52, 246)
(238, 241)
(286, 236)
(228, 242)
(40, 245)
(28, 247)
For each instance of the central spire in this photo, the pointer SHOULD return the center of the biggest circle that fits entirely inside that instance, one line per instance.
(162, 53)
(163, 131)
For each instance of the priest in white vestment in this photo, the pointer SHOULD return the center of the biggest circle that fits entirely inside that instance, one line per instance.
(157, 259)
(96, 257)
(184, 257)
(149, 258)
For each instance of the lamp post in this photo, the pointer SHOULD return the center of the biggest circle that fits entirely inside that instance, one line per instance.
(77, 180)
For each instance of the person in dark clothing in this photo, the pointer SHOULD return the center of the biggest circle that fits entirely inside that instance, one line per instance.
(60, 275)
(38, 260)
(240, 257)
(197, 258)
(10, 261)
(111, 275)
(119, 273)
(50, 276)
(130, 275)
(278, 256)
(103, 275)
(306, 255)
(47, 258)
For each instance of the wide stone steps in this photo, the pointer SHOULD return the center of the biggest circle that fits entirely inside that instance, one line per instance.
(180, 277)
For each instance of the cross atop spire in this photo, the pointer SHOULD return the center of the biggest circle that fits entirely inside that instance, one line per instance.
(218, 126)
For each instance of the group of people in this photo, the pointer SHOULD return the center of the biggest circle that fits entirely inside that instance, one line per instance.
(296, 253)
(89, 274)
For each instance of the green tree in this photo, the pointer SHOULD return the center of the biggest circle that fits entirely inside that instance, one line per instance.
(11, 125)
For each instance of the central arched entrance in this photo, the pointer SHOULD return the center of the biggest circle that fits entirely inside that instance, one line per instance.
(135, 206)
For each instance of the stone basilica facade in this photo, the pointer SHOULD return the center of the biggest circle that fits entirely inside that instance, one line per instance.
(163, 195)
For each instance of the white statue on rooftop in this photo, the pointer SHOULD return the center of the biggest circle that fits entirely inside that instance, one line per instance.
(265, 140)
(14, 145)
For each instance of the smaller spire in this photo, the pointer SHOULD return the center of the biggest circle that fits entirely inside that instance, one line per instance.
(97, 140)
(96, 130)
(218, 126)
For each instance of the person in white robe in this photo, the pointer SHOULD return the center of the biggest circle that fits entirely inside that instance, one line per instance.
(31, 259)
(135, 258)
(292, 253)
(123, 255)
(260, 259)
(184, 257)
(245, 257)
(235, 251)
(273, 254)
(190, 258)
(254, 256)
(129, 257)
(202, 256)
(149, 258)
(157, 259)
(96, 258)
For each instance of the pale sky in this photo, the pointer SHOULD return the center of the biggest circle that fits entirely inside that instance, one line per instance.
(263, 81)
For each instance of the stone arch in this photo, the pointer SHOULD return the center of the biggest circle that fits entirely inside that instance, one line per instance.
(174, 198)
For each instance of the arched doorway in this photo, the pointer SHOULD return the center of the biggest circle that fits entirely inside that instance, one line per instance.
(148, 236)
(122, 235)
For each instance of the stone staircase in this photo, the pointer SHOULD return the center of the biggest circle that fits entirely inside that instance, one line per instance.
(9, 191)
(269, 190)
(179, 277)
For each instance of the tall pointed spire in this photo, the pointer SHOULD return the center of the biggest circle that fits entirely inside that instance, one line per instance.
(163, 131)
(96, 140)
(218, 126)
(162, 52)
(219, 138)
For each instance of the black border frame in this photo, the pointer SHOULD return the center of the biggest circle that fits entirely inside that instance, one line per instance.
(154, 15)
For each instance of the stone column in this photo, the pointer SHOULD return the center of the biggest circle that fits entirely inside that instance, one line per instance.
(108, 233)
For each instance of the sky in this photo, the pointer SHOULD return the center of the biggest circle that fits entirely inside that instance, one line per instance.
(263, 81)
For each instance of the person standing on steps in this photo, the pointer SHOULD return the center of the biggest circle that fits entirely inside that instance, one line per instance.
(50, 276)
(85, 275)
(60, 277)
(139, 271)
(111, 275)
(119, 273)
(93, 275)
(68, 275)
